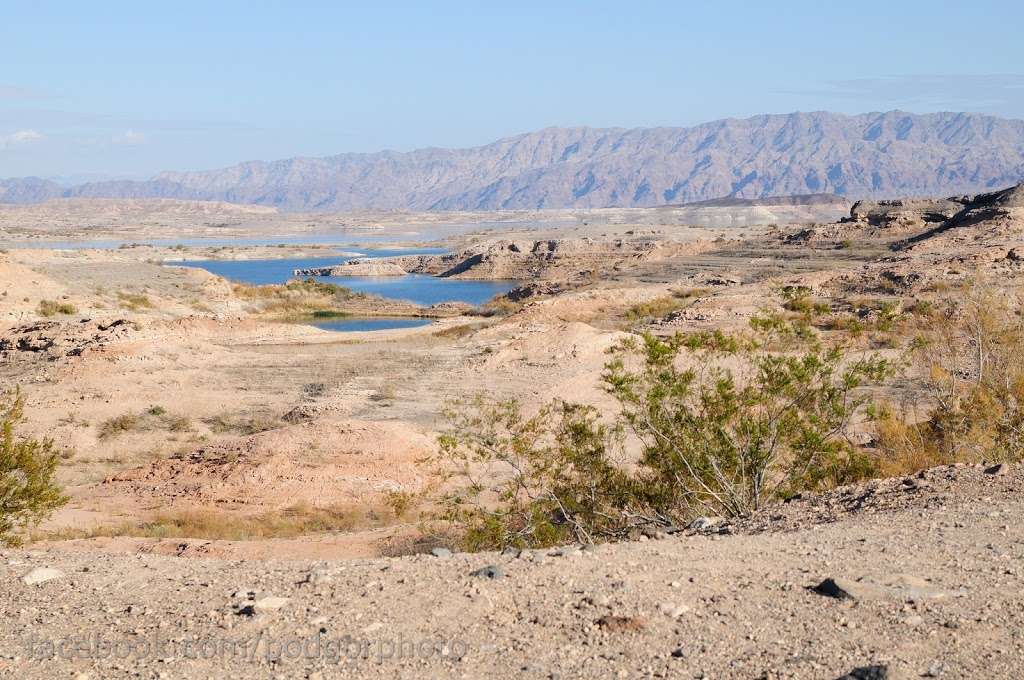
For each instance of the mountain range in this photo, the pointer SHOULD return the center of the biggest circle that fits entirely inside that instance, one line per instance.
(868, 155)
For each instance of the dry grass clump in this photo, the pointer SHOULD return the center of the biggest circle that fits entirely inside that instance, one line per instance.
(155, 417)
(456, 332)
(500, 305)
(662, 306)
(243, 425)
(134, 301)
(52, 308)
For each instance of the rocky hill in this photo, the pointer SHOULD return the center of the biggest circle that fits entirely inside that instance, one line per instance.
(867, 155)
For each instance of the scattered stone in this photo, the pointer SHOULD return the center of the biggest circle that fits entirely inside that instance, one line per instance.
(673, 611)
(621, 624)
(264, 604)
(318, 576)
(868, 673)
(703, 523)
(41, 575)
(566, 551)
(491, 571)
(832, 588)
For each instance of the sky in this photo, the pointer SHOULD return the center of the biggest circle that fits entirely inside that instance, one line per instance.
(127, 89)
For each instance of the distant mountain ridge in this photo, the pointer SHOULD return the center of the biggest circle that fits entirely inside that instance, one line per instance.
(861, 156)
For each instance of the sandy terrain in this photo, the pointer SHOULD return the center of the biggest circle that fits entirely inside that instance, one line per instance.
(172, 393)
(933, 573)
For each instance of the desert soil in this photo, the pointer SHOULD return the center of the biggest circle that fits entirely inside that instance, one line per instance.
(932, 566)
(168, 393)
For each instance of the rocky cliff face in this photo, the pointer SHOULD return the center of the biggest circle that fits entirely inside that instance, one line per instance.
(869, 155)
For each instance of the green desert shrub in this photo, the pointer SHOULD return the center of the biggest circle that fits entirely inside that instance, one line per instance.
(28, 492)
(530, 481)
(725, 424)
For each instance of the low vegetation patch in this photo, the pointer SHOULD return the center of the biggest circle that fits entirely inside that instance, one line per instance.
(51, 308)
(660, 307)
(134, 301)
(500, 305)
(298, 299)
(155, 417)
(456, 332)
(968, 356)
(728, 423)
(209, 523)
(242, 425)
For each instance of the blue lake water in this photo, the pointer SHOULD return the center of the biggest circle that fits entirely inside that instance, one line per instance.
(418, 288)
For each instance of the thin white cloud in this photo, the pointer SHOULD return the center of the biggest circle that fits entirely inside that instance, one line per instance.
(131, 138)
(986, 91)
(19, 138)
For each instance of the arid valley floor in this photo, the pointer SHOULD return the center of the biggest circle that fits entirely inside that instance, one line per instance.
(184, 403)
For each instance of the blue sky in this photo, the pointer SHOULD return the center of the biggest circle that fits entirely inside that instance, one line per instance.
(128, 89)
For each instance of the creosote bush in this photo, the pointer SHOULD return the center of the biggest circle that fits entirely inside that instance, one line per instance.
(28, 493)
(725, 423)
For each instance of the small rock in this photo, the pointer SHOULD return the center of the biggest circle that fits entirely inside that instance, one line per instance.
(832, 588)
(270, 603)
(264, 604)
(678, 653)
(442, 553)
(868, 673)
(621, 624)
(673, 611)
(935, 670)
(41, 575)
(566, 551)
(703, 523)
(897, 587)
(491, 571)
(318, 576)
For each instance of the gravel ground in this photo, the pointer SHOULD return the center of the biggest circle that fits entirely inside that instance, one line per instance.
(927, 583)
